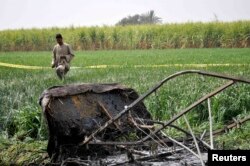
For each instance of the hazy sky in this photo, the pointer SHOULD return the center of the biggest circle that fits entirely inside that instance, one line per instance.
(47, 13)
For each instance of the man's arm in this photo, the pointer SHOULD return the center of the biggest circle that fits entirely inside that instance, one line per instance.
(70, 55)
(53, 63)
(71, 52)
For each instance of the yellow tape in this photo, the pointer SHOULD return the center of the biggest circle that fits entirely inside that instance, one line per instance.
(22, 66)
(120, 66)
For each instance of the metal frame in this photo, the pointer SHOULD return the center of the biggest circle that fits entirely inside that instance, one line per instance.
(153, 134)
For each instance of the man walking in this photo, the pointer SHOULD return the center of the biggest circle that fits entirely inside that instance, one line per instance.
(61, 57)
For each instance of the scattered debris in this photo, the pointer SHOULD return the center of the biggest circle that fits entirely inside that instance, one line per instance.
(108, 124)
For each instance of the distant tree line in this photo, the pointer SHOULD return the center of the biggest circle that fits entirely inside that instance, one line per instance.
(146, 18)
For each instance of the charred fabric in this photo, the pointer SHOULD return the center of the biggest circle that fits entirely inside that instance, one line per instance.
(75, 111)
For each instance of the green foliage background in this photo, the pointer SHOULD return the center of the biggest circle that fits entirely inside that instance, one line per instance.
(186, 35)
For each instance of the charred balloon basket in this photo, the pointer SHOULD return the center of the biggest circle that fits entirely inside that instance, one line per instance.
(92, 121)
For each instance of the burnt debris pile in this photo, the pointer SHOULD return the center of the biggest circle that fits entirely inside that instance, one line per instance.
(73, 112)
(108, 124)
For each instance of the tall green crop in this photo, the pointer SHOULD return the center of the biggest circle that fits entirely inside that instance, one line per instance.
(185, 35)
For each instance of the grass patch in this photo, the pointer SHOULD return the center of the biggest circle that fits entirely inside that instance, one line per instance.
(20, 114)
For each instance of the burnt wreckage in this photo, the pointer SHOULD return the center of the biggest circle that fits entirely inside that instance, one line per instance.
(87, 120)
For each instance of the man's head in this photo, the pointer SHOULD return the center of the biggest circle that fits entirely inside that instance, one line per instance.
(59, 39)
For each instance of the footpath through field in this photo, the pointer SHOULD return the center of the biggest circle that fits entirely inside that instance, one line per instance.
(122, 66)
